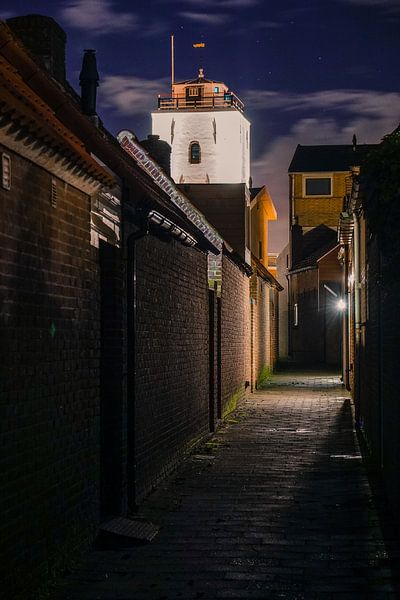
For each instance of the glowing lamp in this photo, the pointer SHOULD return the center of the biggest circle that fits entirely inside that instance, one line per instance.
(341, 304)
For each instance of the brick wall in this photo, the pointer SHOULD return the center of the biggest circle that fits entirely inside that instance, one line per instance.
(368, 350)
(49, 377)
(261, 332)
(274, 325)
(235, 334)
(172, 355)
(378, 375)
(390, 393)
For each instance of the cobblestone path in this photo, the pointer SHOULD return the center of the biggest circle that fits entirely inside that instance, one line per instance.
(276, 505)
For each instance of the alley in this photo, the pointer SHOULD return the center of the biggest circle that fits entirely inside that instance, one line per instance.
(276, 505)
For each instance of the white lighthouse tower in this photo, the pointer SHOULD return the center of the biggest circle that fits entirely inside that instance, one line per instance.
(203, 121)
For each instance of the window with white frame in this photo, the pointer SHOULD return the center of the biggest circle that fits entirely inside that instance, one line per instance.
(318, 186)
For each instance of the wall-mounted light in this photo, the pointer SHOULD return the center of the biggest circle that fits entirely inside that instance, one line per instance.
(5, 171)
(341, 305)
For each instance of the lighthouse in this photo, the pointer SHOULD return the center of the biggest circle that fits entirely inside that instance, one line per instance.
(204, 122)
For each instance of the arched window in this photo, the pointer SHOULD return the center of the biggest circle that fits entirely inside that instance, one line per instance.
(194, 153)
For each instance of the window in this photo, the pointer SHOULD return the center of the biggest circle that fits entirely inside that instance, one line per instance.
(318, 186)
(193, 91)
(216, 89)
(194, 153)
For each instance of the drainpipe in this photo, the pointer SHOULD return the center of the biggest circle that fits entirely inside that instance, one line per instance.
(346, 313)
(131, 357)
(357, 311)
(381, 389)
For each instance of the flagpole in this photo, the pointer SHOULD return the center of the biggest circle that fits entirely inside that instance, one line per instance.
(172, 62)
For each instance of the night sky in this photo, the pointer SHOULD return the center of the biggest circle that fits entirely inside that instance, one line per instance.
(310, 72)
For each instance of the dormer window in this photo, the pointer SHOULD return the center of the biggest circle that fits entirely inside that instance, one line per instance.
(194, 153)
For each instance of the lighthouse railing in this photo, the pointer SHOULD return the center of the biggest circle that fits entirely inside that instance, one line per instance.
(224, 100)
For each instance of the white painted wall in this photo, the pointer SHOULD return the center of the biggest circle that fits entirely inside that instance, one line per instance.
(224, 159)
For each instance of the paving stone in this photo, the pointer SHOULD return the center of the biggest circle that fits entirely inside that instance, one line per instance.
(278, 505)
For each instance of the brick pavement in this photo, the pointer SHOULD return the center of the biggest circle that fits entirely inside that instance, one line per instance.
(276, 505)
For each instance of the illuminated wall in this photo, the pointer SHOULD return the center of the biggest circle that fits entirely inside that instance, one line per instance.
(224, 139)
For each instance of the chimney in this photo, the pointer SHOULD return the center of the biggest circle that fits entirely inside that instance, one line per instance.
(354, 141)
(89, 81)
(297, 243)
(44, 39)
(159, 150)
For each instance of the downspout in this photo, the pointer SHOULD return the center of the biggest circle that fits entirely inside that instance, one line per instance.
(131, 357)
(357, 311)
(381, 363)
(346, 313)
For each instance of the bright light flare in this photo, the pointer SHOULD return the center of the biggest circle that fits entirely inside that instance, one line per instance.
(341, 304)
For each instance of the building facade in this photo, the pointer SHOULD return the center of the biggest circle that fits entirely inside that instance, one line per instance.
(318, 182)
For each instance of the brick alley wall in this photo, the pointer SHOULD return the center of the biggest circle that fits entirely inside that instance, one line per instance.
(368, 349)
(235, 334)
(264, 335)
(379, 382)
(49, 377)
(172, 377)
(260, 334)
(274, 324)
(390, 394)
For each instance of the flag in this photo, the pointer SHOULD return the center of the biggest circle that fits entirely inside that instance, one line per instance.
(199, 45)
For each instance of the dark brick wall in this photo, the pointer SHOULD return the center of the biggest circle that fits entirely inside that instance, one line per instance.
(49, 378)
(390, 394)
(378, 382)
(235, 334)
(113, 425)
(368, 350)
(172, 356)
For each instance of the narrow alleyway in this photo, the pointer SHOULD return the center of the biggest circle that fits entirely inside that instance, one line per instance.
(276, 505)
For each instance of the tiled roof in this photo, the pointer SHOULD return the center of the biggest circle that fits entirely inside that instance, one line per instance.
(314, 244)
(312, 259)
(328, 158)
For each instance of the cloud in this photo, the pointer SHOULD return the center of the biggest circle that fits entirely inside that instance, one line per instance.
(362, 102)
(209, 19)
(223, 4)
(391, 6)
(6, 14)
(97, 17)
(369, 114)
(130, 95)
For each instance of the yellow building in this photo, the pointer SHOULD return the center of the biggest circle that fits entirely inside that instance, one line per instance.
(319, 180)
(262, 210)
